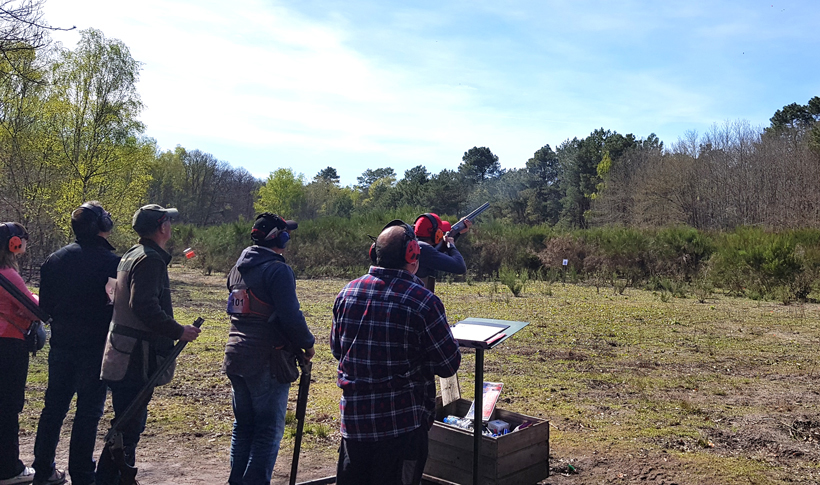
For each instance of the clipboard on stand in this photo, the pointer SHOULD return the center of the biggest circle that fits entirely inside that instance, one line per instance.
(482, 334)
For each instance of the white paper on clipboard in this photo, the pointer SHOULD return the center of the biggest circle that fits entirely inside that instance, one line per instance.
(475, 333)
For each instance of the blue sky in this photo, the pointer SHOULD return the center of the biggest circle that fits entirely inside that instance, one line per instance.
(360, 84)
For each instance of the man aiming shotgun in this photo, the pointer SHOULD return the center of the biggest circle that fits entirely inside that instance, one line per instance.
(438, 248)
(439, 253)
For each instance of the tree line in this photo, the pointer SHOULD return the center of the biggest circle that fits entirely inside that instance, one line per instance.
(70, 132)
(732, 175)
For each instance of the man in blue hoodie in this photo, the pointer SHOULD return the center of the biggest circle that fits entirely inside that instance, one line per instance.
(266, 323)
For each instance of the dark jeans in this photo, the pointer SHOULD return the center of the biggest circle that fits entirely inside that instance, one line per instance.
(123, 394)
(394, 461)
(71, 371)
(13, 373)
(259, 406)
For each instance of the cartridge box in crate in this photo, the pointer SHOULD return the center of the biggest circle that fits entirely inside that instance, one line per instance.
(517, 458)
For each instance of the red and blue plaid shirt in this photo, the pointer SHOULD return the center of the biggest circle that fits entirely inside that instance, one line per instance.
(391, 337)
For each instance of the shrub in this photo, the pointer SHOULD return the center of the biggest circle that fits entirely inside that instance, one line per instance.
(754, 262)
(678, 252)
(516, 281)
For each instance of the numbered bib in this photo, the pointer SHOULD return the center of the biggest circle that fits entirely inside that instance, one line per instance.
(239, 303)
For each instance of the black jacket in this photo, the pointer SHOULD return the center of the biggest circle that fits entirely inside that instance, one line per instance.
(72, 291)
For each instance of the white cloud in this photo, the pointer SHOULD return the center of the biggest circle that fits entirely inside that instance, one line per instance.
(360, 83)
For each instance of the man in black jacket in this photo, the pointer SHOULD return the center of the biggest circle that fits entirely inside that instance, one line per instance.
(142, 330)
(72, 291)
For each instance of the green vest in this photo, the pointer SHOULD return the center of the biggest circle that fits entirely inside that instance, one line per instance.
(130, 341)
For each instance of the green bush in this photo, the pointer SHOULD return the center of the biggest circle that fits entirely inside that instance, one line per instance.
(678, 252)
(756, 263)
(516, 281)
(747, 261)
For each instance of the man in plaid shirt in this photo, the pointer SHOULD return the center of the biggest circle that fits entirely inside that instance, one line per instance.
(391, 337)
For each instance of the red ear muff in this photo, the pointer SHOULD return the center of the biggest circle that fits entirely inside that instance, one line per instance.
(435, 230)
(15, 244)
(412, 251)
(15, 236)
(372, 253)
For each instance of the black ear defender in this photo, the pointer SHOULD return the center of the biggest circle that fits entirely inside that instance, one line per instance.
(14, 235)
(372, 252)
(104, 221)
(436, 233)
(411, 249)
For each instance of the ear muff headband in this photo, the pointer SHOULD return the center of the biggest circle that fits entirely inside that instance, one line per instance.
(275, 232)
(104, 221)
(411, 251)
(15, 237)
(435, 232)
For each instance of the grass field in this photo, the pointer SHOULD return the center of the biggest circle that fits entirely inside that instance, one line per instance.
(637, 386)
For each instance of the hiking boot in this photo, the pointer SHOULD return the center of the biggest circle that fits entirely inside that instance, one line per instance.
(57, 478)
(26, 476)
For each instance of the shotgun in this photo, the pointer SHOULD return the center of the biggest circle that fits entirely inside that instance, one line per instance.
(456, 228)
(301, 409)
(24, 300)
(36, 334)
(114, 450)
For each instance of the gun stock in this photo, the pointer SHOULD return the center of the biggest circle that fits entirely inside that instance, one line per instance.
(24, 300)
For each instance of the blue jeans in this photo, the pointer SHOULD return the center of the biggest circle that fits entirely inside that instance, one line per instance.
(259, 405)
(71, 371)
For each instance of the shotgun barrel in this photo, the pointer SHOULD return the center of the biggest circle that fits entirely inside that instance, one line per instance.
(458, 226)
(301, 410)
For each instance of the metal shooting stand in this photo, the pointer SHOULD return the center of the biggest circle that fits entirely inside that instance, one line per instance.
(509, 328)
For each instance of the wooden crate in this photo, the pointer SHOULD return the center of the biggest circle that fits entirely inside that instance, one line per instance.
(518, 458)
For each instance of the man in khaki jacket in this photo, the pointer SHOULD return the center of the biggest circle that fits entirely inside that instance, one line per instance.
(143, 328)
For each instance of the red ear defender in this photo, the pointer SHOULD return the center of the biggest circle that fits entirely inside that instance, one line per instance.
(435, 228)
(15, 244)
(372, 253)
(412, 251)
(15, 237)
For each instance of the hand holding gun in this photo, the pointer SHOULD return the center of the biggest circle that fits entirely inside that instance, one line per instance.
(114, 449)
(462, 226)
